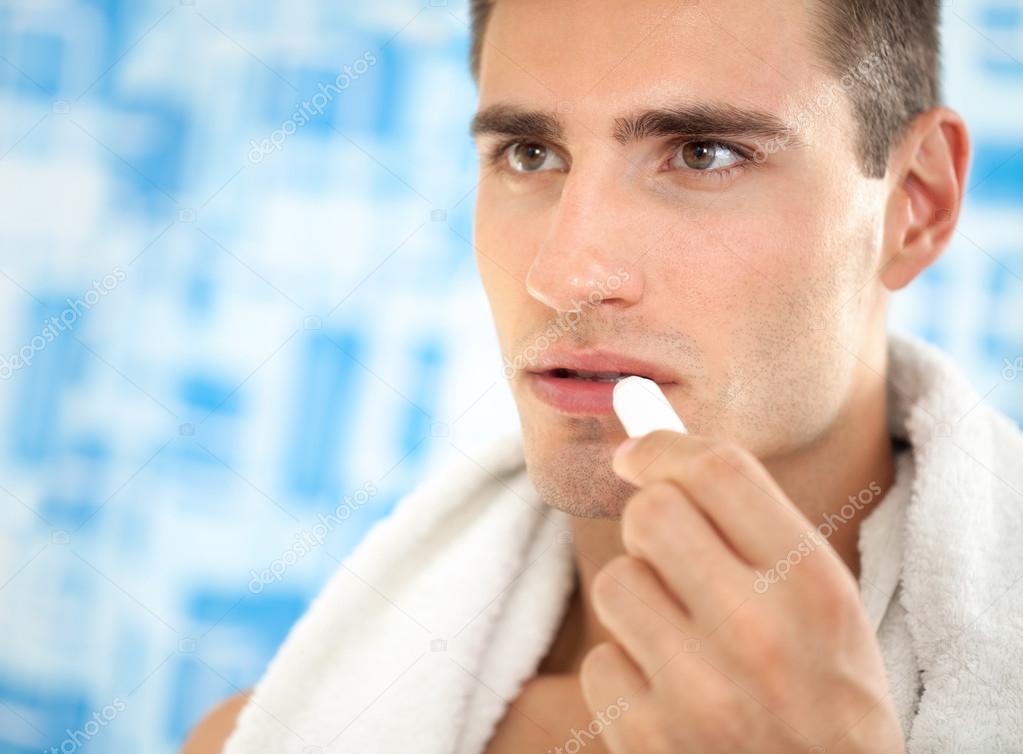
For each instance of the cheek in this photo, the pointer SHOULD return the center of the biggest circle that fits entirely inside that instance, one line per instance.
(754, 290)
(745, 271)
(492, 256)
(779, 266)
(501, 251)
(503, 241)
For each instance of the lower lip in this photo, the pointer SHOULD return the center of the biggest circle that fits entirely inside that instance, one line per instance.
(570, 395)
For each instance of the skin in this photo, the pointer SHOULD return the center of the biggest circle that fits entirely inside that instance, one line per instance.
(210, 735)
(765, 288)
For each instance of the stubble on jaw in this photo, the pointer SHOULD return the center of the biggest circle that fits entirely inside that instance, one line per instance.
(576, 476)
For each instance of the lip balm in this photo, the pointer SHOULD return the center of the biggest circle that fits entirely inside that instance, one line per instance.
(642, 407)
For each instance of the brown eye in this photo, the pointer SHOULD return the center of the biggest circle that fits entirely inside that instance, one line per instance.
(705, 155)
(698, 154)
(530, 157)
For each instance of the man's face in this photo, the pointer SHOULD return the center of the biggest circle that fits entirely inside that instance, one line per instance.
(734, 261)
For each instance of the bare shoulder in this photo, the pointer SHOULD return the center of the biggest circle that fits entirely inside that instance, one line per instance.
(209, 736)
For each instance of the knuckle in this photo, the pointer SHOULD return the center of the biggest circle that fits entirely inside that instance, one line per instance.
(708, 466)
(649, 512)
(657, 501)
(622, 569)
(722, 461)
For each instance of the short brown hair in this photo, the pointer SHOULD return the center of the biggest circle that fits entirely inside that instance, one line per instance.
(898, 38)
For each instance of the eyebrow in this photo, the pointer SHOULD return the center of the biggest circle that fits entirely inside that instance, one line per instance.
(688, 119)
(512, 120)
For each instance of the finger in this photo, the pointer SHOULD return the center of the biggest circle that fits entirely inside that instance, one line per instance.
(729, 485)
(612, 686)
(607, 673)
(664, 527)
(639, 610)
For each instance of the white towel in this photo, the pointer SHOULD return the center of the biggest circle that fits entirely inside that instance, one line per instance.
(432, 625)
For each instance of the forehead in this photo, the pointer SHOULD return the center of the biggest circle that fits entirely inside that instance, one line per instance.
(613, 55)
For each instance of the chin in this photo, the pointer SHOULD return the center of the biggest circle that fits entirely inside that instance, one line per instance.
(572, 472)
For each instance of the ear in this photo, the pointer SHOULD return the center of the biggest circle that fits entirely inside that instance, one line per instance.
(929, 174)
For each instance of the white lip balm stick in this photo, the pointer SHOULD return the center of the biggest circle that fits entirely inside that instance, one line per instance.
(642, 407)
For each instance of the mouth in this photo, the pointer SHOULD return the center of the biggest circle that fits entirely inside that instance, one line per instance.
(581, 374)
(582, 383)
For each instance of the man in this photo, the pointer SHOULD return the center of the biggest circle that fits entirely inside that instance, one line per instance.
(719, 196)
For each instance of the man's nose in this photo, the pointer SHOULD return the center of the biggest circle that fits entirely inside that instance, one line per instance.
(587, 256)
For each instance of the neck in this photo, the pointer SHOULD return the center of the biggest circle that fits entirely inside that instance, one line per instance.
(854, 459)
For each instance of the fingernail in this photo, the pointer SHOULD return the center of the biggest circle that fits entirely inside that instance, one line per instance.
(626, 447)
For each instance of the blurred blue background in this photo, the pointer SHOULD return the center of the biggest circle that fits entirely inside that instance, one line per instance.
(240, 317)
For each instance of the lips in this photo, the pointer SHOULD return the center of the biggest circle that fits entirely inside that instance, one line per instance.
(581, 374)
(582, 382)
(599, 364)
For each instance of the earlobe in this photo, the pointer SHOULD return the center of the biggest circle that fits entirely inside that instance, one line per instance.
(924, 204)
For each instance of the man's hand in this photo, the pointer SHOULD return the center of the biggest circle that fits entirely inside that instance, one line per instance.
(711, 656)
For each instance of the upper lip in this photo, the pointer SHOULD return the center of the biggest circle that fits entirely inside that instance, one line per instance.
(598, 360)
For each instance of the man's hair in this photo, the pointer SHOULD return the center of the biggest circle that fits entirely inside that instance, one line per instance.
(886, 53)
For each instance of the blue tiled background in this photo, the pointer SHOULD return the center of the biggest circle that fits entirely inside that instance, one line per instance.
(237, 273)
